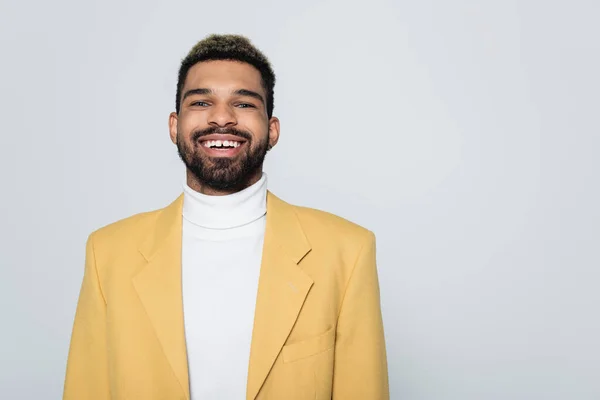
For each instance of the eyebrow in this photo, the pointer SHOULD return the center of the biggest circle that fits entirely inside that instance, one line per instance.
(239, 92)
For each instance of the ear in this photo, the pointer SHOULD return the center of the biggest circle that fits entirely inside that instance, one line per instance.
(173, 127)
(273, 131)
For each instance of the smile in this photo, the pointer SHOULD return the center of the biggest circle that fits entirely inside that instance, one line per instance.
(223, 144)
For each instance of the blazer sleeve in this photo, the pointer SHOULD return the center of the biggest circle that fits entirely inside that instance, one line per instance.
(360, 369)
(87, 364)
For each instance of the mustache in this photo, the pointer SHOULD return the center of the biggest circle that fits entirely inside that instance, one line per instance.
(196, 135)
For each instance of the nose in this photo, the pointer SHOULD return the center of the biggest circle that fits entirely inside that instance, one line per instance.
(221, 115)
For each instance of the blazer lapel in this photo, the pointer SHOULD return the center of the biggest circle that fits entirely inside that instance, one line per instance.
(159, 287)
(282, 288)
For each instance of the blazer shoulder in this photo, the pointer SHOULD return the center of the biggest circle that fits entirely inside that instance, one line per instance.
(126, 231)
(328, 224)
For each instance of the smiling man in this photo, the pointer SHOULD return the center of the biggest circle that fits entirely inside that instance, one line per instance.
(229, 292)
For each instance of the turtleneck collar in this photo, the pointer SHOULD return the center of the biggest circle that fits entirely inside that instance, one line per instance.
(226, 212)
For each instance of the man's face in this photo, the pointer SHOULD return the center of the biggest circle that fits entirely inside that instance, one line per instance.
(222, 131)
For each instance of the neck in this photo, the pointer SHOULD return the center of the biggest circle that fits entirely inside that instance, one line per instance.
(225, 212)
(194, 183)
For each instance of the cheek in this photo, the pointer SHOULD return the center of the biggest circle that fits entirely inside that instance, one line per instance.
(189, 123)
(259, 130)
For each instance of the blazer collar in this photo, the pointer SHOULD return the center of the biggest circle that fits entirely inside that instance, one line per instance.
(282, 288)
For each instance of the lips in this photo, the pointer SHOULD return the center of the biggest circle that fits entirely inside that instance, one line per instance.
(222, 138)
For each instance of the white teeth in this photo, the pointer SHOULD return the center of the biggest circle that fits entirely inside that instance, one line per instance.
(221, 143)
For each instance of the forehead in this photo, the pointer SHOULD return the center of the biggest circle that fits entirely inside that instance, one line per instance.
(224, 75)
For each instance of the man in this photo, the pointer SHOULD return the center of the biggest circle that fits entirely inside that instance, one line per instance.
(229, 292)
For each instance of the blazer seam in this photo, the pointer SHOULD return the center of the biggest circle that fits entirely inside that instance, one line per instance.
(96, 268)
(369, 234)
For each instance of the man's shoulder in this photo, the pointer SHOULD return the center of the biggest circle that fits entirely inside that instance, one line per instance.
(128, 230)
(327, 224)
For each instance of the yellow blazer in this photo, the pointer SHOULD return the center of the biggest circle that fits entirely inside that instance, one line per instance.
(318, 332)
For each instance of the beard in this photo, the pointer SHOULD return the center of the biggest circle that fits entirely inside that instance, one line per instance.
(222, 173)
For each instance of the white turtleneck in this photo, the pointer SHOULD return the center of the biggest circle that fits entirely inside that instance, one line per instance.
(221, 255)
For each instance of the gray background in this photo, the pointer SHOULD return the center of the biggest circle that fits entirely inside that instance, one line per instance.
(463, 133)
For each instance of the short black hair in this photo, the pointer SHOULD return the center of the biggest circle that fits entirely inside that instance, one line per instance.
(233, 48)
